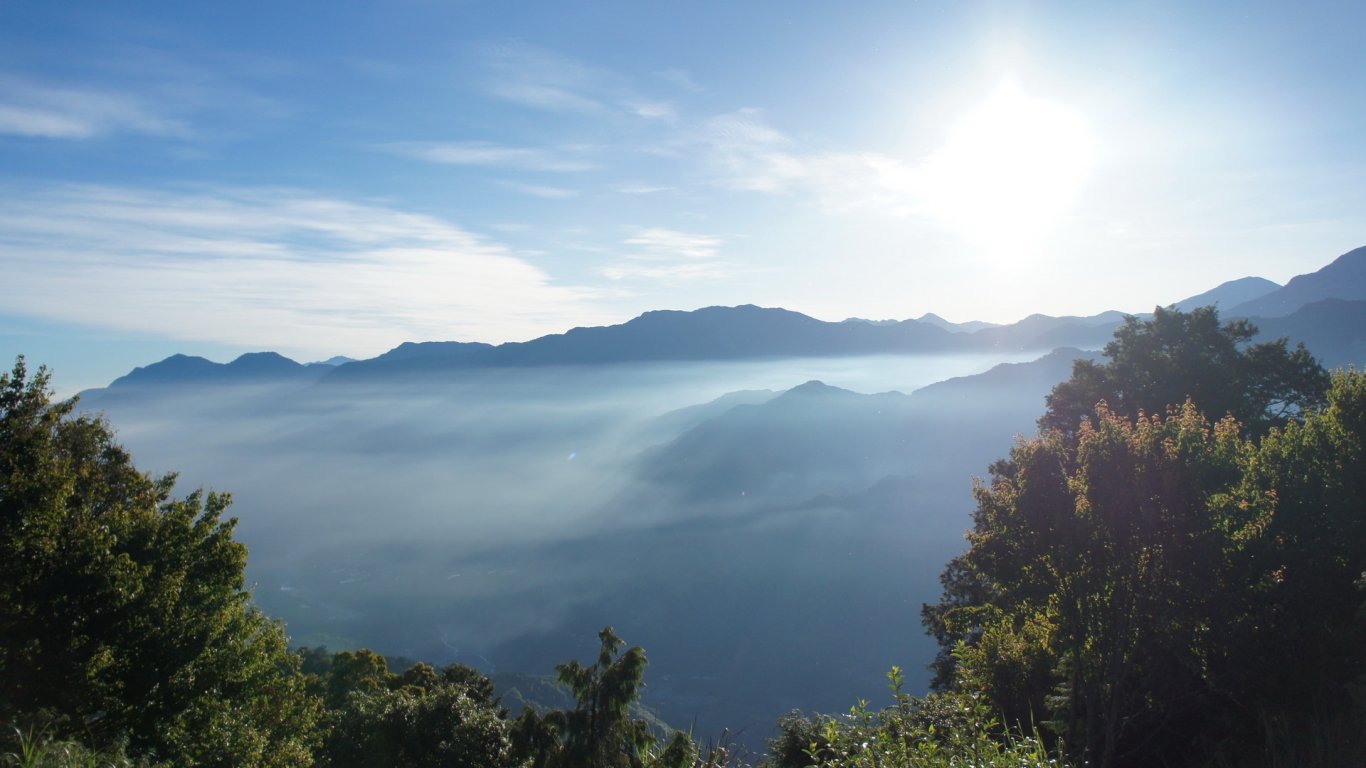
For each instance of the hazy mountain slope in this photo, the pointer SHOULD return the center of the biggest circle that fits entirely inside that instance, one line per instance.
(1229, 294)
(1043, 332)
(1006, 387)
(502, 516)
(967, 327)
(182, 370)
(680, 420)
(810, 439)
(713, 333)
(1333, 330)
(816, 439)
(430, 350)
(1344, 278)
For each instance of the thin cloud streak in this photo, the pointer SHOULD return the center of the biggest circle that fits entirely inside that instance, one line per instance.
(669, 255)
(481, 153)
(668, 242)
(42, 111)
(743, 152)
(254, 267)
(543, 191)
(533, 77)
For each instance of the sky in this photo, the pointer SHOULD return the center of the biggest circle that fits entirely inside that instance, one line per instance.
(335, 178)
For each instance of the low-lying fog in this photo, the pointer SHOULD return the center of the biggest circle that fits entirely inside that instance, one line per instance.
(770, 551)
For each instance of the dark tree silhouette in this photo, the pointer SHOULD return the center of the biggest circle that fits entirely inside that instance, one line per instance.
(123, 610)
(1177, 356)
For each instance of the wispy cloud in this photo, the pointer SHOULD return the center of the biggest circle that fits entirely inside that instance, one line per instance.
(534, 77)
(657, 241)
(641, 189)
(251, 267)
(742, 151)
(37, 110)
(658, 253)
(543, 191)
(482, 153)
(681, 79)
(655, 110)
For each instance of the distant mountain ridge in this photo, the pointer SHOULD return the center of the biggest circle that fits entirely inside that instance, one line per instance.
(251, 367)
(1334, 330)
(750, 332)
(711, 333)
(970, 326)
(1230, 294)
(1344, 278)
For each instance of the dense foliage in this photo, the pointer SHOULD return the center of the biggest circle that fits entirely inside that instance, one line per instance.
(1178, 356)
(422, 717)
(122, 610)
(943, 730)
(1163, 591)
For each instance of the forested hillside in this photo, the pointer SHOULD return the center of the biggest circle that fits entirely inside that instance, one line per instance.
(1172, 572)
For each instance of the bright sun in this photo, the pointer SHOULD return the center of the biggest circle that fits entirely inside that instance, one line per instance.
(1009, 171)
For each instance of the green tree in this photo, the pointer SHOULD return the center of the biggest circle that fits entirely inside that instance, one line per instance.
(1102, 553)
(123, 610)
(1163, 591)
(1302, 572)
(599, 731)
(425, 720)
(362, 671)
(942, 730)
(1178, 356)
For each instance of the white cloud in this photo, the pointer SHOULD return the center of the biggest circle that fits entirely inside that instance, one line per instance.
(668, 254)
(483, 153)
(658, 241)
(42, 111)
(534, 77)
(655, 110)
(744, 152)
(267, 268)
(641, 189)
(543, 191)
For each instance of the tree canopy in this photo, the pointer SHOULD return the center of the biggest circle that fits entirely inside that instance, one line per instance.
(122, 609)
(599, 731)
(1178, 356)
(1163, 591)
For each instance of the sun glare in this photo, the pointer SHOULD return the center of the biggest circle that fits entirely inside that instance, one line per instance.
(1009, 170)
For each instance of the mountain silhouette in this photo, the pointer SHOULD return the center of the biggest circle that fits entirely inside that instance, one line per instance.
(713, 333)
(967, 327)
(1333, 330)
(1229, 294)
(1344, 278)
(179, 370)
(757, 333)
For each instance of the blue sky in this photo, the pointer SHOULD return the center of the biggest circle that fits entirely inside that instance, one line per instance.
(338, 177)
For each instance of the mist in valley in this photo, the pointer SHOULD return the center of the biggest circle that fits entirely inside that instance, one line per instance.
(738, 520)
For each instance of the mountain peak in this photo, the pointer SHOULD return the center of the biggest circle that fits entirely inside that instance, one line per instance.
(814, 388)
(1344, 278)
(971, 326)
(262, 362)
(1229, 294)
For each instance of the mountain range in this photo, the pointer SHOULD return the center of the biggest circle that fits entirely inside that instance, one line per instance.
(1323, 309)
(710, 482)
